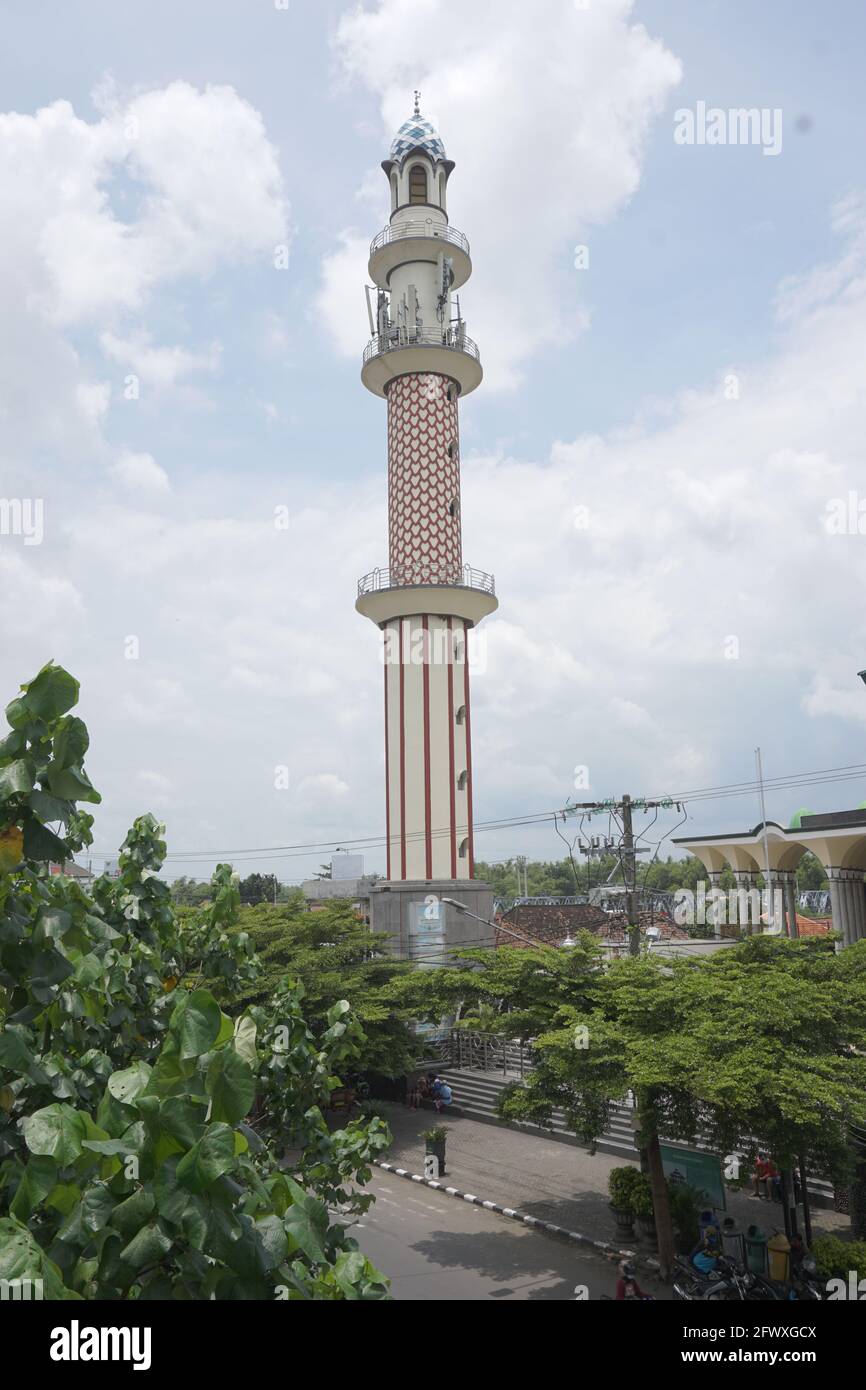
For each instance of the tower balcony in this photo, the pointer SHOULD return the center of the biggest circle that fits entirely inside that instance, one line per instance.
(404, 242)
(444, 351)
(450, 590)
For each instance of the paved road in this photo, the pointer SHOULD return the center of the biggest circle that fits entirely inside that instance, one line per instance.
(436, 1247)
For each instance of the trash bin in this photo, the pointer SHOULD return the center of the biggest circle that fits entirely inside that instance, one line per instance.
(779, 1253)
(756, 1250)
(733, 1241)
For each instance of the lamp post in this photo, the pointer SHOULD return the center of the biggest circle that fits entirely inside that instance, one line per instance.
(461, 907)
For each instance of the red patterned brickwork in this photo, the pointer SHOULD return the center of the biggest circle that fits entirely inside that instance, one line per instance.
(423, 481)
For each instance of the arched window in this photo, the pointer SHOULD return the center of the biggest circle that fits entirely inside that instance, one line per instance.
(417, 184)
(464, 848)
(442, 190)
(463, 781)
(461, 715)
(395, 198)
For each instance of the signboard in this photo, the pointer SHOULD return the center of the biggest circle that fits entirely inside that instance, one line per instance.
(699, 1169)
(427, 932)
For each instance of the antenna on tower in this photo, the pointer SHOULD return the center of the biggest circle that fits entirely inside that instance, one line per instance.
(417, 102)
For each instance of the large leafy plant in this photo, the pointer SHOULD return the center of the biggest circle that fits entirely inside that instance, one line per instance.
(127, 1166)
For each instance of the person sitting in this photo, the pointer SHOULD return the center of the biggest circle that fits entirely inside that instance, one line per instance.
(441, 1094)
(420, 1091)
(627, 1287)
(766, 1176)
(706, 1256)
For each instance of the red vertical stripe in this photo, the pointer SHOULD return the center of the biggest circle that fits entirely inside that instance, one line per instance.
(387, 663)
(451, 768)
(468, 752)
(428, 827)
(402, 760)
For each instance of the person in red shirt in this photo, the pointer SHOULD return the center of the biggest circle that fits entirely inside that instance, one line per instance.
(765, 1174)
(627, 1287)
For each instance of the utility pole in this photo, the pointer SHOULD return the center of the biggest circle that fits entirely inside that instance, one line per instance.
(630, 877)
(628, 852)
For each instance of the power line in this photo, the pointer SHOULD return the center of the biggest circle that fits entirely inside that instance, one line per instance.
(725, 791)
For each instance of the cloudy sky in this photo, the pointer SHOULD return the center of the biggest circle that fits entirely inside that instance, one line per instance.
(664, 468)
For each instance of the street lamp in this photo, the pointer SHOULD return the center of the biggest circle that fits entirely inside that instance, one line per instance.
(497, 926)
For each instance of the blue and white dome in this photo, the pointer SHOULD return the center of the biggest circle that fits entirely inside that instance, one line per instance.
(417, 134)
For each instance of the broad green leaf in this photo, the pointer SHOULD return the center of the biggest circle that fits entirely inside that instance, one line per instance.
(16, 1048)
(56, 1131)
(16, 779)
(70, 783)
(12, 745)
(42, 845)
(147, 1247)
(130, 1215)
(126, 1085)
(208, 1159)
(51, 693)
(88, 1216)
(196, 1023)
(183, 1117)
(71, 740)
(40, 1176)
(63, 1197)
(21, 1258)
(230, 1085)
(52, 923)
(306, 1223)
(273, 1238)
(50, 808)
(245, 1039)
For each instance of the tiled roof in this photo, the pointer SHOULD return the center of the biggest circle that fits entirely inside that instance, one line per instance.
(550, 924)
(417, 134)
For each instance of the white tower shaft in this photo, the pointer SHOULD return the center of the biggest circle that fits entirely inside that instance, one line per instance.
(427, 600)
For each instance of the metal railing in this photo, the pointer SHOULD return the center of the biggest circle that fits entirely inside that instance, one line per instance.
(454, 338)
(400, 230)
(470, 1051)
(409, 576)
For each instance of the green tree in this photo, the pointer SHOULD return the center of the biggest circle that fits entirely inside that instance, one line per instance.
(128, 1168)
(333, 954)
(259, 888)
(761, 1044)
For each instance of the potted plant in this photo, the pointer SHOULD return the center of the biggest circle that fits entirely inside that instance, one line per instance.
(435, 1141)
(621, 1185)
(643, 1210)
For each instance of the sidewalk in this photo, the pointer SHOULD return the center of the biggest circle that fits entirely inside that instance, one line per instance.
(546, 1179)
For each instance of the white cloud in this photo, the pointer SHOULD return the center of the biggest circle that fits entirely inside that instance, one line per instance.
(546, 109)
(325, 786)
(141, 473)
(175, 182)
(159, 367)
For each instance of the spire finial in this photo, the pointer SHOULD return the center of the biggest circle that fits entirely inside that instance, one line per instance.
(417, 102)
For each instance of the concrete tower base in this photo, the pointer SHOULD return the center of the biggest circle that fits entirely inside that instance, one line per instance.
(421, 926)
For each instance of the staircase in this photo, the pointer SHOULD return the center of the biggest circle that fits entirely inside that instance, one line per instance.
(475, 1095)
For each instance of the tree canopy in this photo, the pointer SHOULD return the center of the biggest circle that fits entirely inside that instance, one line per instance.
(141, 1126)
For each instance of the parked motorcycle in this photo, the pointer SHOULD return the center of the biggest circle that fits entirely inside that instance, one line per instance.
(728, 1282)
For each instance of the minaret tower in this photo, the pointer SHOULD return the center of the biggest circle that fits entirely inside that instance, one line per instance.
(421, 361)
